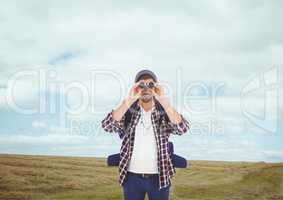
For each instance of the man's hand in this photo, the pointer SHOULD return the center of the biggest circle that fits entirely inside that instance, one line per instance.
(173, 115)
(134, 94)
(158, 93)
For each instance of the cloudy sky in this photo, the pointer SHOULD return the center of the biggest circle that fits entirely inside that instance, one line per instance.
(65, 64)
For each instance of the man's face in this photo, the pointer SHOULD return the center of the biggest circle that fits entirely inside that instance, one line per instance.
(146, 93)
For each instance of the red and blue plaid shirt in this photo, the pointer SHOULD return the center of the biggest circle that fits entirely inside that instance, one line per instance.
(162, 132)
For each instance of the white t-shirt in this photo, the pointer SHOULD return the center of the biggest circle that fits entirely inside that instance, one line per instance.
(144, 156)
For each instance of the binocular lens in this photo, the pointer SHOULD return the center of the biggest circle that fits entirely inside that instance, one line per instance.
(150, 85)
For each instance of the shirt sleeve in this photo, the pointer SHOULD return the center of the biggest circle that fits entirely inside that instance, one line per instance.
(109, 124)
(180, 128)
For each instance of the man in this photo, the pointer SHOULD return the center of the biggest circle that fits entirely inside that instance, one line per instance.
(144, 121)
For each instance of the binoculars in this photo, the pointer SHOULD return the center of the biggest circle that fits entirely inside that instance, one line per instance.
(144, 85)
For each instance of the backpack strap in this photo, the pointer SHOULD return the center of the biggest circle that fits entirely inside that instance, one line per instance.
(132, 109)
(129, 113)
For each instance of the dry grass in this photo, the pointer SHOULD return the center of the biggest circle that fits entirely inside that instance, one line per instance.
(77, 178)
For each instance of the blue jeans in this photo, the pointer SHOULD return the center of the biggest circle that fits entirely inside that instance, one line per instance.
(136, 187)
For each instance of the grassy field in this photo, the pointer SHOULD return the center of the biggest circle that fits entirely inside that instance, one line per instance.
(78, 178)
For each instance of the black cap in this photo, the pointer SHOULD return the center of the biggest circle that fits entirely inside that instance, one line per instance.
(145, 72)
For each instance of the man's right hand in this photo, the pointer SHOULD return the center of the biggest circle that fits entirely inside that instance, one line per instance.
(134, 94)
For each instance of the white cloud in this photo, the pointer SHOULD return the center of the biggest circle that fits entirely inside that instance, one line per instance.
(273, 154)
(46, 139)
(39, 124)
(224, 41)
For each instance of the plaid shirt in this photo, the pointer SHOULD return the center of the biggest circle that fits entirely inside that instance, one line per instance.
(162, 132)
